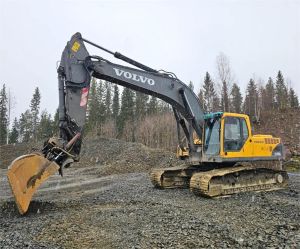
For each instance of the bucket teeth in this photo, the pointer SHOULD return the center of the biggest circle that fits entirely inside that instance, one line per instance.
(26, 174)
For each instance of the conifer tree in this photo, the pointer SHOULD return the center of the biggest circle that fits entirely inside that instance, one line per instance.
(3, 115)
(261, 104)
(127, 110)
(216, 103)
(225, 102)
(25, 124)
(100, 93)
(281, 92)
(236, 99)
(293, 98)
(141, 100)
(108, 100)
(116, 102)
(209, 94)
(14, 133)
(93, 106)
(269, 99)
(34, 109)
(45, 126)
(250, 104)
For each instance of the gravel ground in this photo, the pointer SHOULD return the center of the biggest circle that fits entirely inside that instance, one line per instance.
(95, 207)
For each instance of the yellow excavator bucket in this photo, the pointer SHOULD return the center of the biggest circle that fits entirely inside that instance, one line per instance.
(26, 174)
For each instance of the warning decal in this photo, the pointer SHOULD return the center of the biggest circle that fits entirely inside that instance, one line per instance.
(84, 96)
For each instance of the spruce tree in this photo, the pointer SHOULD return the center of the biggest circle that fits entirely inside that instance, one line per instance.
(3, 115)
(35, 108)
(250, 104)
(45, 126)
(14, 133)
(108, 100)
(100, 93)
(216, 103)
(25, 124)
(261, 103)
(209, 93)
(93, 106)
(225, 102)
(141, 100)
(293, 98)
(127, 110)
(236, 98)
(269, 99)
(281, 92)
(116, 102)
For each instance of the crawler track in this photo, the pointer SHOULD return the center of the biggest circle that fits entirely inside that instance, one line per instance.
(174, 177)
(219, 182)
(237, 179)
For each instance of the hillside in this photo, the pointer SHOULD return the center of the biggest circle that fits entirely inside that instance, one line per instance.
(284, 124)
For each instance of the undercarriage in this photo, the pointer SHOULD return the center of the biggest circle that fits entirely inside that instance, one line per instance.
(221, 181)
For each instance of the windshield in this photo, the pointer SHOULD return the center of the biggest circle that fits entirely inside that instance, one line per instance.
(212, 137)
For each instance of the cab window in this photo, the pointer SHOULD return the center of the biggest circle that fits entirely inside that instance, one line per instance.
(212, 137)
(235, 133)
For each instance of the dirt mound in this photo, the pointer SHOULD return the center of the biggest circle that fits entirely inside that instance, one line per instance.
(10, 152)
(284, 124)
(115, 156)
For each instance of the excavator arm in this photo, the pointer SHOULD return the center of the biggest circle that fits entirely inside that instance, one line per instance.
(75, 71)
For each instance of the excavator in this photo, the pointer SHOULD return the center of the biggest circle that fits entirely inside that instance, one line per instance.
(221, 154)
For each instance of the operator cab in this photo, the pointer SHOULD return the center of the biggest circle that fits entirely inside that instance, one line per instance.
(224, 132)
(235, 133)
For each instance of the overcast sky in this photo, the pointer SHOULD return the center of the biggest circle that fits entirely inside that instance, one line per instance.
(259, 37)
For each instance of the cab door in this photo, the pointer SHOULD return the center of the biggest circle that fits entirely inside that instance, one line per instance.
(235, 136)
